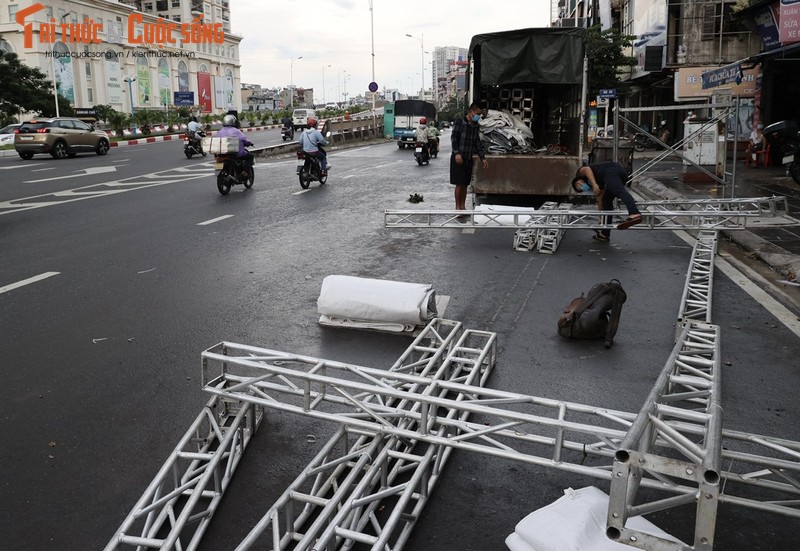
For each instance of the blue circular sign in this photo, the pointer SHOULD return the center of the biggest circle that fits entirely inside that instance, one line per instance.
(373, 87)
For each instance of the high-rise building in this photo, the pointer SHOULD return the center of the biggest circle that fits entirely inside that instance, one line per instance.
(183, 11)
(444, 59)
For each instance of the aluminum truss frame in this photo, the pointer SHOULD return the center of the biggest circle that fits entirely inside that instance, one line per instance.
(175, 509)
(658, 215)
(526, 239)
(696, 300)
(336, 501)
(571, 437)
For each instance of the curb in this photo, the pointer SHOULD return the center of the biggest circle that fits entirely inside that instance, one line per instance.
(776, 257)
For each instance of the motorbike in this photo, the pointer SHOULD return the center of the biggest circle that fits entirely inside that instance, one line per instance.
(309, 169)
(231, 170)
(434, 147)
(422, 153)
(784, 136)
(287, 133)
(193, 144)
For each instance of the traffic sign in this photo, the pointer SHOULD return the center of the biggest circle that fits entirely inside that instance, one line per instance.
(608, 93)
(373, 87)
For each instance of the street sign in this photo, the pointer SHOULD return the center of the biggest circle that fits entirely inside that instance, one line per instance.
(602, 101)
(373, 87)
(608, 93)
(185, 99)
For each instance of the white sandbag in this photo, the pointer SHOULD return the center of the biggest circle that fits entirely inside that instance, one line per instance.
(577, 522)
(374, 303)
(516, 543)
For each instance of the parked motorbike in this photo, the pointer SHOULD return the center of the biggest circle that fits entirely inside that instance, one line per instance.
(784, 137)
(231, 170)
(287, 133)
(309, 169)
(193, 144)
(422, 153)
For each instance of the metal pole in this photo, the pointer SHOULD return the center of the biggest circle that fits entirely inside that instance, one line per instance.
(55, 80)
(372, 36)
(291, 80)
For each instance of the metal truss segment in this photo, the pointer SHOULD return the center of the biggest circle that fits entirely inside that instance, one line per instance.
(175, 509)
(660, 446)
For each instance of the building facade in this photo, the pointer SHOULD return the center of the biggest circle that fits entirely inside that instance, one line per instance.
(445, 59)
(126, 62)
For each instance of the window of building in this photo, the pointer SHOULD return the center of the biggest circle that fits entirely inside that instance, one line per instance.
(176, 3)
(148, 6)
(718, 19)
(162, 5)
(176, 18)
(48, 13)
(89, 95)
(12, 12)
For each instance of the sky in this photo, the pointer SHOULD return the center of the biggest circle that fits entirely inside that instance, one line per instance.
(333, 37)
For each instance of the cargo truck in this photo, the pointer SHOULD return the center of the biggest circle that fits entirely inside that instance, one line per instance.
(407, 113)
(538, 76)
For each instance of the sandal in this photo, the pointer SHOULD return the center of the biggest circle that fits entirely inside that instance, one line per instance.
(628, 222)
(600, 237)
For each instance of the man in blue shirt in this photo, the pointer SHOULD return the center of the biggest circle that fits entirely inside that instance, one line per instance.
(466, 142)
(311, 139)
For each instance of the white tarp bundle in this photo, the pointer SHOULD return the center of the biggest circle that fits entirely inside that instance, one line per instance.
(346, 301)
(506, 219)
(575, 522)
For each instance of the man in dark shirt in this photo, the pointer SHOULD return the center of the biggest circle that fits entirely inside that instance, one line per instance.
(466, 142)
(607, 181)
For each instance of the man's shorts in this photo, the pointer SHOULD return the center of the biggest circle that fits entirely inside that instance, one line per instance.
(460, 174)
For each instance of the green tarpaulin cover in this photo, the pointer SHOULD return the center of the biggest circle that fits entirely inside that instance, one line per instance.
(546, 56)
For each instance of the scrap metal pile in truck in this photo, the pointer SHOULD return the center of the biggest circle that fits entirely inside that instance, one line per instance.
(538, 77)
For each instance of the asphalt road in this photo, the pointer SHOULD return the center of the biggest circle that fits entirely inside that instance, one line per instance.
(100, 359)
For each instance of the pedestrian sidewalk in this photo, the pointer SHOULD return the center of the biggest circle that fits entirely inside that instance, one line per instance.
(778, 247)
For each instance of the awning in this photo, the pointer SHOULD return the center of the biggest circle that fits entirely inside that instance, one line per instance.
(775, 52)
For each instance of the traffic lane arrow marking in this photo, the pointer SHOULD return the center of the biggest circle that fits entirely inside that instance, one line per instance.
(85, 172)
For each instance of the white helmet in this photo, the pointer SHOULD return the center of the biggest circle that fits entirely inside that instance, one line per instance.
(228, 120)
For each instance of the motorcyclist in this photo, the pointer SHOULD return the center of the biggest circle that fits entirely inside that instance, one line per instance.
(192, 127)
(433, 134)
(229, 130)
(311, 139)
(288, 126)
(422, 134)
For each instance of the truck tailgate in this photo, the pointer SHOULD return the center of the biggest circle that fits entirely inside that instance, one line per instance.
(525, 175)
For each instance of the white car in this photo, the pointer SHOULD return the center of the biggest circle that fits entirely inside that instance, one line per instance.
(7, 134)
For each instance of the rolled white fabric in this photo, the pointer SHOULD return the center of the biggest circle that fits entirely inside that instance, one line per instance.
(375, 303)
(577, 521)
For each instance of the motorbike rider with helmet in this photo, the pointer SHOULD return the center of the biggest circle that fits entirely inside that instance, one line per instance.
(229, 130)
(422, 134)
(433, 135)
(311, 139)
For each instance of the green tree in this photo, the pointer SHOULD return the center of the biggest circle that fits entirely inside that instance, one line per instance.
(118, 121)
(606, 51)
(26, 89)
(103, 112)
(452, 110)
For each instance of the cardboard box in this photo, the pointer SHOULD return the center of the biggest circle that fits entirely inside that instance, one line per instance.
(221, 146)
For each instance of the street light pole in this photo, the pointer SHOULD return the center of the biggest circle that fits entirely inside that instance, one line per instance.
(421, 39)
(323, 82)
(291, 80)
(372, 36)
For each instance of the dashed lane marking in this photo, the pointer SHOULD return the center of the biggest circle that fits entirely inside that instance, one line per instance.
(28, 281)
(217, 219)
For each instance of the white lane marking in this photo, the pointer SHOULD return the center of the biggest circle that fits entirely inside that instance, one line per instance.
(28, 281)
(468, 230)
(85, 172)
(742, 276)
(43, 169)
(23, 165)
(207, 222)
(301, 191)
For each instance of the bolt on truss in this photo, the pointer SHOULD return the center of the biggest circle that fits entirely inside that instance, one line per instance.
(656, 215)
(189, 486)
(696, 300)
